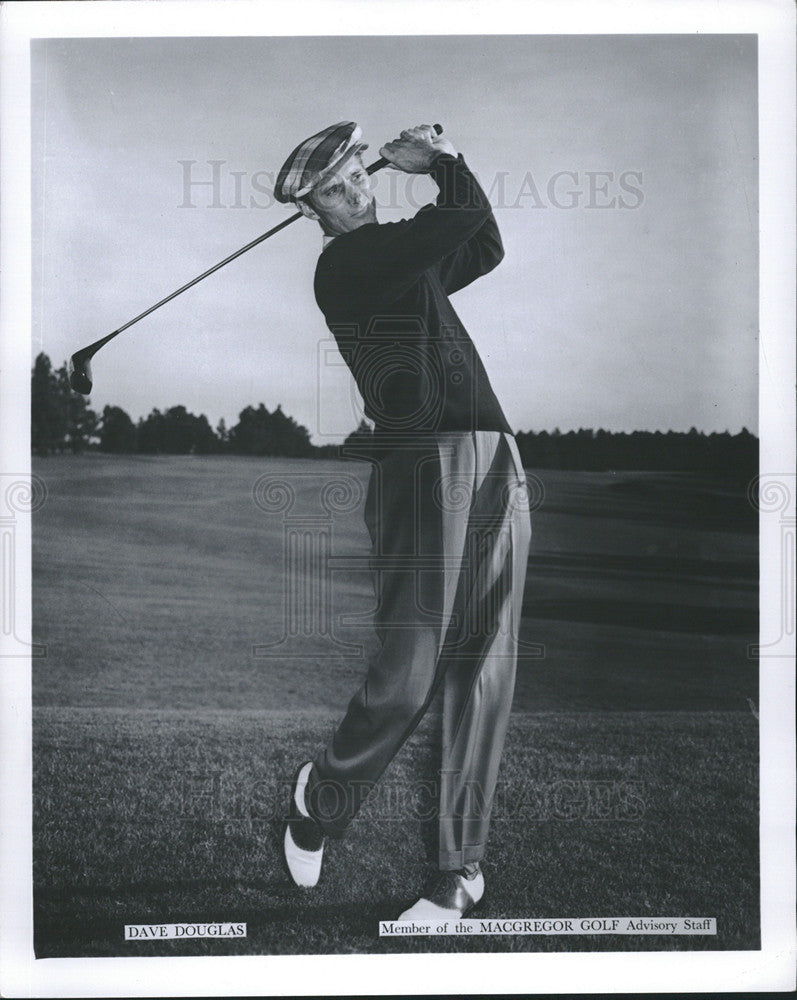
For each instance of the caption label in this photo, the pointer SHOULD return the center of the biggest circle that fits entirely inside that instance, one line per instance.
(550, 926)
(163, 932)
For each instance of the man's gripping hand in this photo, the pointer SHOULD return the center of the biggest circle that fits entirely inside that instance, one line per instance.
(415, 149)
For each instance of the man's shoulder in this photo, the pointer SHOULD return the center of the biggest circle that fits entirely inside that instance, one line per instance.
(346, 267)
(363, 237)
(352, 269)
(360, 248)
(355, 254)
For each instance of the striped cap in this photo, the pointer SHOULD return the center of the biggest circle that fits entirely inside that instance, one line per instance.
(317, 156)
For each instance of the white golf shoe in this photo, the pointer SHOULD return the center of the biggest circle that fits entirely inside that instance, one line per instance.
(448, 896)
(303, 842)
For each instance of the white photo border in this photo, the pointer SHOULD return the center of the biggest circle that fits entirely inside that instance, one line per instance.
(771, 967)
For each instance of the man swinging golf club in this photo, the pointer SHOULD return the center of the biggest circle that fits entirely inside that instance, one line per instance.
(445, 508)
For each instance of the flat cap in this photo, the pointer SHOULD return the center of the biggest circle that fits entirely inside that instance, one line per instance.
(316, 157)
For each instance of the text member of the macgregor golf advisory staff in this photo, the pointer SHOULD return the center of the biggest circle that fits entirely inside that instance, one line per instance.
(446, 506)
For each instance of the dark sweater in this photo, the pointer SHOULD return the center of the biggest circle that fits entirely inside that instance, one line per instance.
(383, 290)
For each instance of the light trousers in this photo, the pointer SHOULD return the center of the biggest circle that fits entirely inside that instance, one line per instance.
(449, 522)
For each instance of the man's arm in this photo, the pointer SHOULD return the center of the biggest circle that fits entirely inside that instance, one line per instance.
(481, 252)
(478, 256)
(437, 232)
(369, 275)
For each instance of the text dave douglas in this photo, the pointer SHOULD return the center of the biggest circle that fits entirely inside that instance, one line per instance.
(163, 932)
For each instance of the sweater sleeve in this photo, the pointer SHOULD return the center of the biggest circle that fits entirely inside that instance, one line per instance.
(376, 271)
(478, 256)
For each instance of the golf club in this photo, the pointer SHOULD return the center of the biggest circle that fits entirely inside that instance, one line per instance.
(80, 377)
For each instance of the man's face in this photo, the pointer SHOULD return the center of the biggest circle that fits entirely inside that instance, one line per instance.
(343, 201)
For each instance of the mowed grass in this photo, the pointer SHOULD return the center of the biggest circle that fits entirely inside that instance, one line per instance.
(162, 744)
(148, 817)
(156, 577)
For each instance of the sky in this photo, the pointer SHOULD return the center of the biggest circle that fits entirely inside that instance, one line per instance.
(622, 170)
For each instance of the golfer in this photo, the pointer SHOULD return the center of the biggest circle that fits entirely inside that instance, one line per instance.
(445, 508)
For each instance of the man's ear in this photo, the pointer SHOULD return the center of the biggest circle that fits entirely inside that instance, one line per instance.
(306, 209)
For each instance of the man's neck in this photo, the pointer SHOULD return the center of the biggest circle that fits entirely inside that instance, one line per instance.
(329, 236)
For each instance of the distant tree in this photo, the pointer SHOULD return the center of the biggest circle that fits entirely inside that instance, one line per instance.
(60, 418)
(222, 436)
(259, 432)
(735, 456)
(47, 418)
(358, 441)
(148, 434)
(117, 431)
(204, 440)
(80, 422)
(290, 437)
(744, 456)
(361, 436)
(253, 434)
(326, 451)
(176, 432)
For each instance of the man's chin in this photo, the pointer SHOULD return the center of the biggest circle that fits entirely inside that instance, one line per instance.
(354, 221)
(367, 215)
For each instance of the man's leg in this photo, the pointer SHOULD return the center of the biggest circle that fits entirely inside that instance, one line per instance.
(454, 513)
(417, 550)
(478, 664)
(481, 651)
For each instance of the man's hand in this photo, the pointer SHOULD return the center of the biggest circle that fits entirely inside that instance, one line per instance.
(415, 149)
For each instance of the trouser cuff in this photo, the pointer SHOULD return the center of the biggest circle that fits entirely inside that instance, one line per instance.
(448, 861)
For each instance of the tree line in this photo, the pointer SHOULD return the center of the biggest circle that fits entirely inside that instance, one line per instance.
(671, 451)
(62, 421)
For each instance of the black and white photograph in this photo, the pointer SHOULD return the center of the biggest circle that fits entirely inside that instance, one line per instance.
(398, 498)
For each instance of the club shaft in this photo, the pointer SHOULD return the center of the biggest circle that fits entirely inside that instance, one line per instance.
(92, 348)
(88, 352)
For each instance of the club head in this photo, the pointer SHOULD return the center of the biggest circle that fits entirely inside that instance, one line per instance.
(80, 374)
